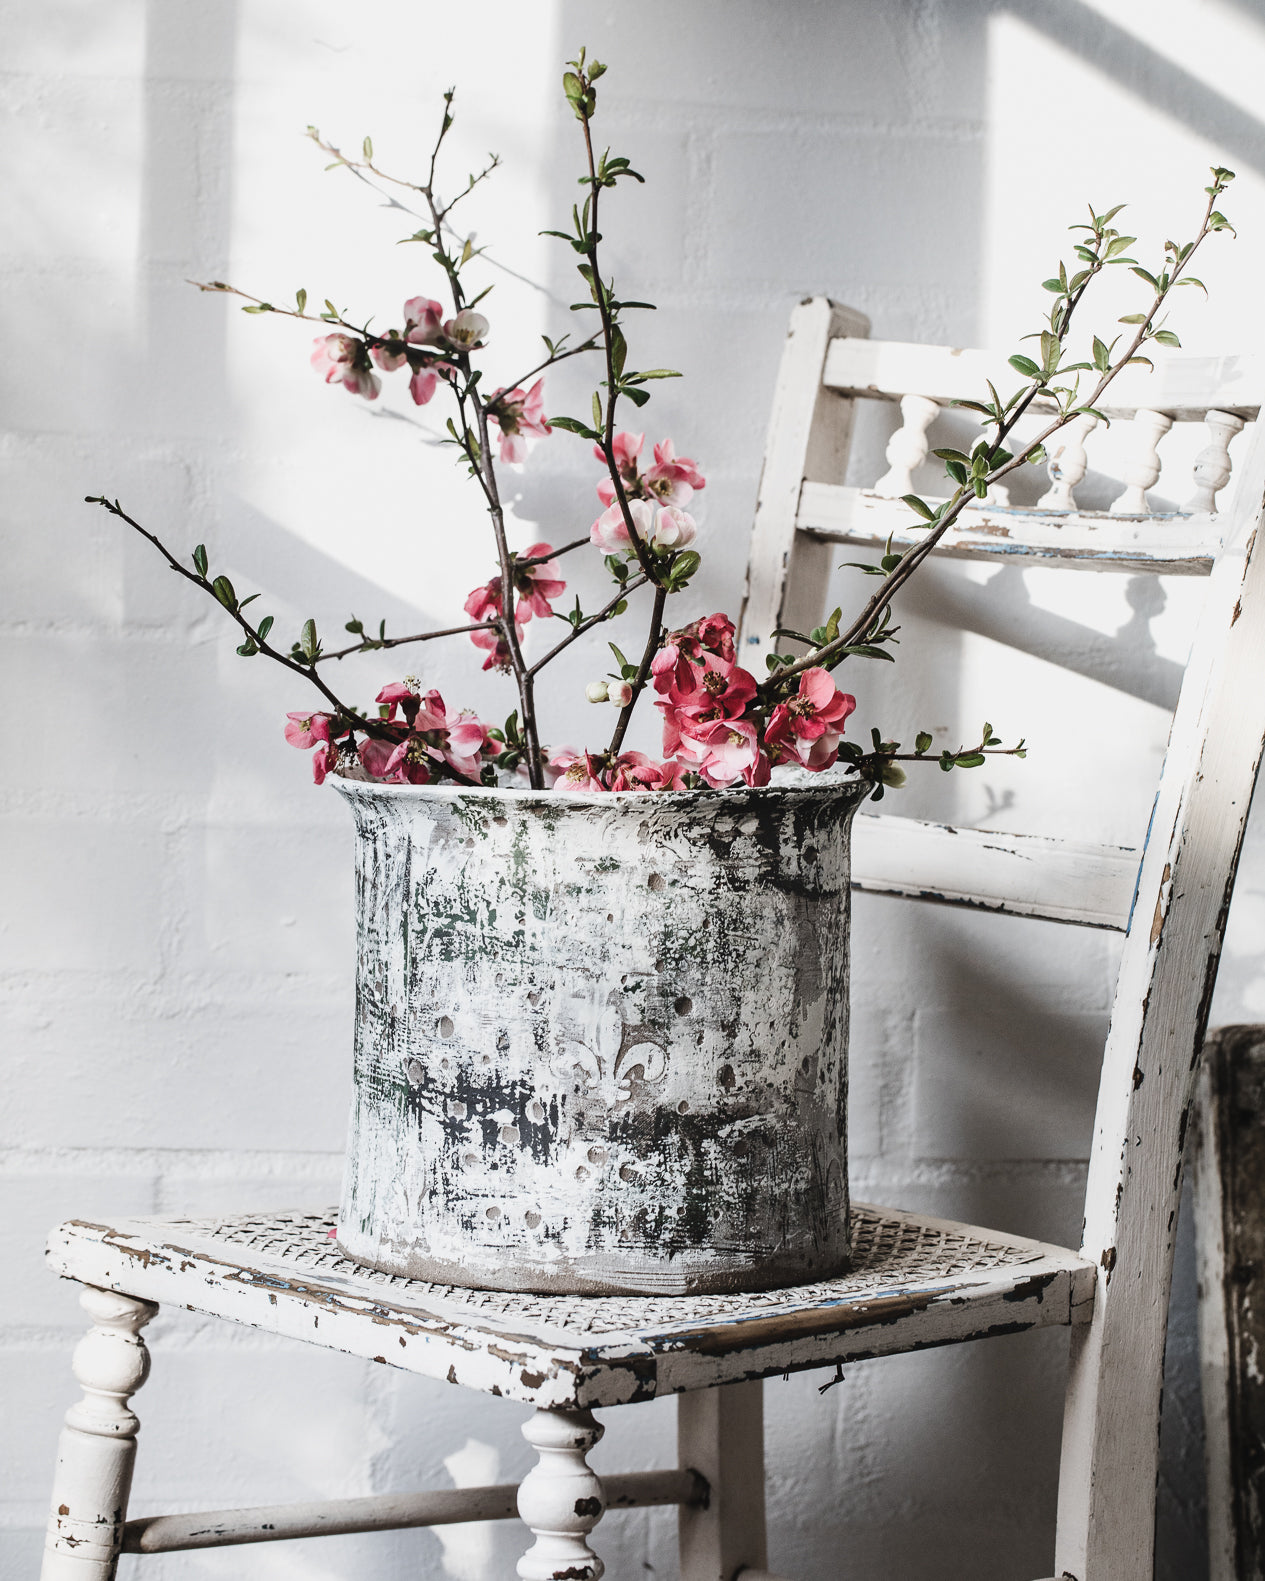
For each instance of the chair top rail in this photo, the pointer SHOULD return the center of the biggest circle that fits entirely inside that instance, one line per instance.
(1020, 875)
(1186, 388)
(1173, 545)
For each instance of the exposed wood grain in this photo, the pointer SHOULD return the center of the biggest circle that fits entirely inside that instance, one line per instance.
(916, 1282)
(1183, 387)
(1167, 972)
(1022, 875)
(387, 1512)
(720, 1433)
(1088, 541)
(808, 436)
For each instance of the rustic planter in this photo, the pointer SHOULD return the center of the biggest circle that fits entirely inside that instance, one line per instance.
(601, 1041)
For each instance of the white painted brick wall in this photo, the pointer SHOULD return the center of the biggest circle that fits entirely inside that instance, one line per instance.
(176, 973)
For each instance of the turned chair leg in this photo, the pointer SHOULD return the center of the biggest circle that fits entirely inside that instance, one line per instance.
(720, 1434)
(98, 1443)
(561, 1498)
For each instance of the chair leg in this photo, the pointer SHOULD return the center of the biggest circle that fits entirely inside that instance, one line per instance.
(720, 1434)
(98, 1443)
(561, 1498)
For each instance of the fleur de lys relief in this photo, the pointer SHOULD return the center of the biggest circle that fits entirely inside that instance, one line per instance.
(610, 1079)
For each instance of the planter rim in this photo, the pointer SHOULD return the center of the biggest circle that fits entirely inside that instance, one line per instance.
(846, 787)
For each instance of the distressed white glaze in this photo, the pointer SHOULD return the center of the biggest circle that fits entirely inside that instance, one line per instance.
(601, 1042)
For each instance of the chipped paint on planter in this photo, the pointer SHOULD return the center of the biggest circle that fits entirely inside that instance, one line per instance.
(601, 1041)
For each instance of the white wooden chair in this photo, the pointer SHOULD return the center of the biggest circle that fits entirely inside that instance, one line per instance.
(917, 1281)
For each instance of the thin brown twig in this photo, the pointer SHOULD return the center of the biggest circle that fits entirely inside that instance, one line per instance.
(587, 624)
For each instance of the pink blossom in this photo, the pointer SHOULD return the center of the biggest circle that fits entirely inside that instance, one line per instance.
(423, 321)
(305, 730)
(467, 330)
(324, 759)
(576, 771)
(422, 384)
(808, 727)
(342, 359)
(519, 416)
(537, 584)
(626, 448)
(728, 750)
(375, 755)
(485, 603)
(619, 693)
(673, 479)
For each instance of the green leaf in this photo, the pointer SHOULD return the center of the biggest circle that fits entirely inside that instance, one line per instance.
(467, 252)
(636, 396)
(248, 649)
(951, 455)
(1133, 318)
(1119, 245)
(919, 506)
(260, 307)
(1189, 279)
(658, 373)
(573, 425)
(308, 640)
(867, 651)
(367, 147)
(199, 559)
(1053, 285)
(619, 658)
(683, 568)
(619, 350)
(956, 471)
(1145, 274)
(1050, 352)
(223, 590)
(1024, 365)
(597, 410)
(265, 626)
(1166, 337)
(1102, 356)
(1035, 457)
(974, 406)
(300, 299)
(922, 742)
(969, 760)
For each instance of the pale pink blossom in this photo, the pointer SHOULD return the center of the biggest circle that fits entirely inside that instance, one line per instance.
(610, 531)
(619, 693)
(467, 330)
(519, 415)
(423, 321)
(389, 356)
(673, 528)
(342, 359)
(597, 691)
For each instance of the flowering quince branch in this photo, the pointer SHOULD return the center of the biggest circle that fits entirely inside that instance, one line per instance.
(719, 724)
(973, 475)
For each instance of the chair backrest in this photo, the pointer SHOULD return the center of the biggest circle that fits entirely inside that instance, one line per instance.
(1171, 903)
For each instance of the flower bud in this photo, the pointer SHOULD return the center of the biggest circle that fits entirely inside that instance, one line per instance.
(597, 691)
(619, 693)
(892, 774)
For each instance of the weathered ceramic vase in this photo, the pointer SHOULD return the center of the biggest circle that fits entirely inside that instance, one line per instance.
(601, 1041)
